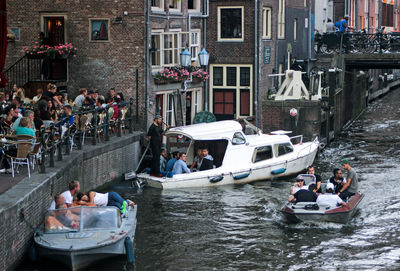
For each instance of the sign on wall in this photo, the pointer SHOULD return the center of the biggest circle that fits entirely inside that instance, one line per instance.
(267, 54)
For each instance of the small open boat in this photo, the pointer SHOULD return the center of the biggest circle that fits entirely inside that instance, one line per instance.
(239, 158)
(79, 236)
(313, 212)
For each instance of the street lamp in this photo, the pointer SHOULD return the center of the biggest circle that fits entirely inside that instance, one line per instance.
(204, 56)
(186, 58)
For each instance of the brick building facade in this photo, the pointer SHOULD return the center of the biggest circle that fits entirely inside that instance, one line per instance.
(109, 37)
(247, 42)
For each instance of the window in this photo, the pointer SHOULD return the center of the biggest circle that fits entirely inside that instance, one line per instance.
(267, 23)
(230, 23)
(169, 111)
(194, 5)
(218, 76)
(281, 19)
(238, 139)
(155, 50)
(167, 46)
(174, 5)
(15, 31)
(245, 76)
(54, 28)
(231, 76)
(283, 148)
(295, 29)
(262, 153)
(157, 5)
(99, 29)
(231, 94)
(194, 44)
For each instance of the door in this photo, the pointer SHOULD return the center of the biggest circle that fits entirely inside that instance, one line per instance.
(224, 104)
(54, 29)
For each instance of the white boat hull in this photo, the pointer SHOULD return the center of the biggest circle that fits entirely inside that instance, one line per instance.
(241, 174)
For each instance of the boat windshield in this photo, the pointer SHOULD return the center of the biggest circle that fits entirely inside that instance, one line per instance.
(100, 218)
(63, 220)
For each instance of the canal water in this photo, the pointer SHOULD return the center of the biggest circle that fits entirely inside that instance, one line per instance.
(241, 228)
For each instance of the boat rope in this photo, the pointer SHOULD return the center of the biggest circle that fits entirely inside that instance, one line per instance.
(26, 221)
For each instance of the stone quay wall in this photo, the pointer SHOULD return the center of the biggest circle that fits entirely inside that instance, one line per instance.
(27, 202)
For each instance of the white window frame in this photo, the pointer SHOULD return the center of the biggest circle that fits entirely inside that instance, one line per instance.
(267, 15)
(196, 102)
(281, 19)
(176, 48)
(197, 6)
(219, 23)
(194, 43)
(237, 87)
(178, 8)
(159, 8)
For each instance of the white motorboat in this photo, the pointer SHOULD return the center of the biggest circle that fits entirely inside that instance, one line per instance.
(238, 158)
(79, 236)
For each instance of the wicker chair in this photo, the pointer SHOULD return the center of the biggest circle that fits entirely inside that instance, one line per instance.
(22, 157)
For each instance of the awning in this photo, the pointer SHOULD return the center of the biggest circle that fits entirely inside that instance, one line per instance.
(3, 41)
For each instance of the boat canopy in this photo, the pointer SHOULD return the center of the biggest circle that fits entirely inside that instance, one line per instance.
(208, 131)
(82, 218)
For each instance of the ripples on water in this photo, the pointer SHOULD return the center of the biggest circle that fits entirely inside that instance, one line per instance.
(240, 227)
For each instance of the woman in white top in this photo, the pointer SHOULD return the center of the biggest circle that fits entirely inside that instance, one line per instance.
(103, 199)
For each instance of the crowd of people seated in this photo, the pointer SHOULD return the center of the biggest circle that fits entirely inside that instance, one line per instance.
(338, 189)
(177, 163)
(20, 115)
(59, 218)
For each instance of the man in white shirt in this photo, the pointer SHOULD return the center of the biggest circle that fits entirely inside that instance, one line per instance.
(330, 199)
(299, 184)
(74, 188)
(58, 200)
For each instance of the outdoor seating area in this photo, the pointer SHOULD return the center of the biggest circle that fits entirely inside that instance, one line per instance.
(35, 134)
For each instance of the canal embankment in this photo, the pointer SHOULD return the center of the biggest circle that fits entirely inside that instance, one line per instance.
(22, 207)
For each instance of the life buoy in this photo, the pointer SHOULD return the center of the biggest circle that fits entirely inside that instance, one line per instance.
(216, 179)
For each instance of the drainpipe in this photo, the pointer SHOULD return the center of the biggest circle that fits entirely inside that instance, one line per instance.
(147, 63)
(356, 15)
(256, 60)
(204, 16)
(380, 14)
(309, 37)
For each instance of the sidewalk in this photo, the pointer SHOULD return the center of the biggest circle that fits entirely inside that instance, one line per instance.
(7, 181)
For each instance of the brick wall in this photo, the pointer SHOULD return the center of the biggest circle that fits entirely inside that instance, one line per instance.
(307, 122)
(98, 65)
(93, 167)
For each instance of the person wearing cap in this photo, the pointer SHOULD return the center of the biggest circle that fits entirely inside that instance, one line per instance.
(351, 185)
(299, 184)
(318, 179)
(304, 195)
(329, 198)
(155, 138)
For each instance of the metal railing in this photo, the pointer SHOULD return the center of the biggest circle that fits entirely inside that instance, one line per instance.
(24, 70)
(357, 42)
(56, 141)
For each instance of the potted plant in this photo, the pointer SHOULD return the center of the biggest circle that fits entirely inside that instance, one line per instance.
(199, 75)
(171, 75)
(62, 51)
(36, 51)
